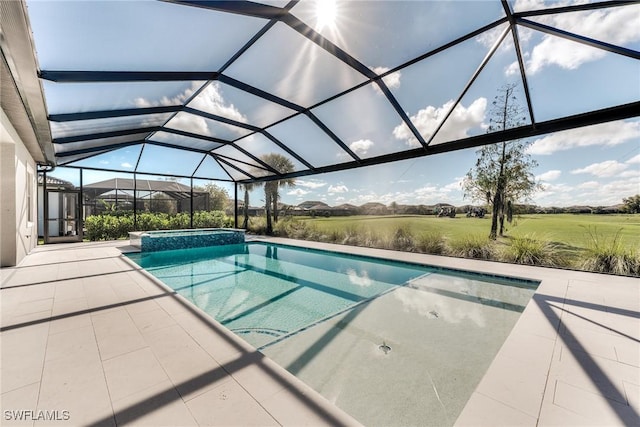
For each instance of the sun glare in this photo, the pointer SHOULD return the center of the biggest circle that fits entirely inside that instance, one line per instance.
(325, 13)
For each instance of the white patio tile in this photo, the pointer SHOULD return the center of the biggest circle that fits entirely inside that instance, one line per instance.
(632, 391)
(156, 405)
(152, 320)
(22, 399)
(76, 384)
(513, 383)
(230, 405)
(484, 411)
(142, 358)
(76, 343)
(116, 333)
(593, 406)
(23, 352)
(133, 372)
(193, 372)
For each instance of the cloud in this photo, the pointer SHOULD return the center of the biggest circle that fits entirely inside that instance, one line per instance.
(589, 185)
(392, 80)
(125, 165)
(551, 175)
(634, 160)
(333, 189)
(457, 126)
(313, 184)
(604, 169)
(297, 192)
(359, 280)
(456, 185)
(634, 173)
(616, 26)
(210, 100)
(608, 134)
(587, 193)
(361, 146)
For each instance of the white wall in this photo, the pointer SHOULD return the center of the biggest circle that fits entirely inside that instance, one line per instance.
(18, 233)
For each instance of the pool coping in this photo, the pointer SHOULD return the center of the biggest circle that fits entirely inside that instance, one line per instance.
(337, 415)
(555, 351)
(573, 357)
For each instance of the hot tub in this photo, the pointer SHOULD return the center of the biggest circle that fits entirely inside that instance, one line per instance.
(163, 240)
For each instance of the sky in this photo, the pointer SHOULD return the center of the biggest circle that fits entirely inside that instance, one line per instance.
(597, 165)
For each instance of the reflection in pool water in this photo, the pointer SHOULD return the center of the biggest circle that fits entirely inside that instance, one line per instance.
(328, 318)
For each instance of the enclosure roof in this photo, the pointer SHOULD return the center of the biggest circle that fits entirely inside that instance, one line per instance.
(207, 89)
(139, 184)
(175, 189)
(53, 181)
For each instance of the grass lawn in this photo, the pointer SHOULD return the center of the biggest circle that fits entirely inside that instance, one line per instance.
(570, 232)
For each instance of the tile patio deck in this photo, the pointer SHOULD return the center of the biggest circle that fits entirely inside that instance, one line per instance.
(85, 331)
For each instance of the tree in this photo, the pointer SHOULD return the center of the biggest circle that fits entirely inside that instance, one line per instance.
(632, 203)
(503, 172)
(218, 197)
(247, 188)
(272, 188)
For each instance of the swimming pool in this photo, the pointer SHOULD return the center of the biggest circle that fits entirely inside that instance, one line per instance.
(162, 240)
(391, 343)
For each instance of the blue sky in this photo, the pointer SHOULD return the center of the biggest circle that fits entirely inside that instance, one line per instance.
(598, 165)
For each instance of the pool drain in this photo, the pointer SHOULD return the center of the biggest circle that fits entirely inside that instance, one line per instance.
(384, 347)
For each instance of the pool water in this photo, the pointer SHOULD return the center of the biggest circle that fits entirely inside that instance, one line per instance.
(391, 343)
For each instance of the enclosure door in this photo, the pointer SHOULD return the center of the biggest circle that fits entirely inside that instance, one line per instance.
(62, 216)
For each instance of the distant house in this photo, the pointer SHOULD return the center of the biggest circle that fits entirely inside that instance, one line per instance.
(345, 209)
(58, 192)
(153, 196)
(374, 208)
(312, 204)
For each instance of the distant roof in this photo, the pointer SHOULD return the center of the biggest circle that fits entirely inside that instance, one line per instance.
(346, 206)
(172, 188)
(53, 181)
(311, 203)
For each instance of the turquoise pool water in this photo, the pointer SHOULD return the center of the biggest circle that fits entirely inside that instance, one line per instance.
(265, 292)
(391, 343)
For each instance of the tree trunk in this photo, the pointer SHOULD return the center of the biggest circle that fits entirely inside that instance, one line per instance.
(498, 199)
(275, 206)
(267, 204)
(494, 212)
(245, 223)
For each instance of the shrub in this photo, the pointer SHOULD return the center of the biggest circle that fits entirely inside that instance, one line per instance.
(211, 219)
(334, 236)
(110, 226)
(472, 246)
(257, 225)
(148, 221)
(94, 227)
(530, 250)
(296, 229)
(371, 239)
(431, 242)
(402, 239)
(610, 255)
(180, 220)
(352, 235)
(123, 226)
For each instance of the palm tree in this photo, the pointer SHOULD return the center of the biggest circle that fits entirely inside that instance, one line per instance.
(272, 188)
(247, 188)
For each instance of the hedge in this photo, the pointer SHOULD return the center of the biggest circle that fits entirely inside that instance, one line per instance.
(112, 227)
